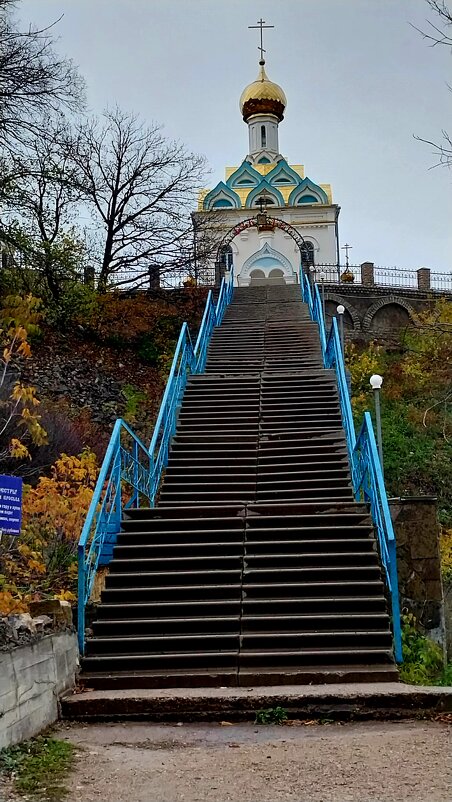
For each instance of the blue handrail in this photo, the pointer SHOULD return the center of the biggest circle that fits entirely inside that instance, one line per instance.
(366, 469)
(121, 466)
(129, 463)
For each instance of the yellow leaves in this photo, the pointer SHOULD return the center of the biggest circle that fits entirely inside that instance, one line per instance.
(43, 562)
(21, 312)
(75, 471)
(24, 350)
(24, 394)
(12, 602)
(36, 565)
(362, 365)
(18, 450)
(65, 595)
(445, 547)
(62, 500)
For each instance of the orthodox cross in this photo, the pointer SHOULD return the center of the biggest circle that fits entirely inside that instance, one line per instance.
(261, 24)
(346, 248)
(263, 202)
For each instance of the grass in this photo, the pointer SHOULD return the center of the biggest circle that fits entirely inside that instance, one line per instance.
(39, 767)
(271, 715)
(422, 658)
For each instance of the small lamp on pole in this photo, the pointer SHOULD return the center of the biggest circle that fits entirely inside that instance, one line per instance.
(340, 311)
(375, 382)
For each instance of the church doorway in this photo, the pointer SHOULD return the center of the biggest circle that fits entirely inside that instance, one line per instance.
(286, 270)
(259, 277)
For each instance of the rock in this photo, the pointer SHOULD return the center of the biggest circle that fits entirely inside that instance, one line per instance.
(60, 612)
(6, 632)
(42, 622)
(23, 629)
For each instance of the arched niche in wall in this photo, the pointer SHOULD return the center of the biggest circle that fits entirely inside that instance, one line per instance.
(351, 318)
(388, 315)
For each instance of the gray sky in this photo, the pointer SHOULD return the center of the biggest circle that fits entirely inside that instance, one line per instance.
(359, 82)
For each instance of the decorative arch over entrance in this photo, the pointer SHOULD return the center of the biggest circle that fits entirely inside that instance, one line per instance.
(263, 223)
(272, 264)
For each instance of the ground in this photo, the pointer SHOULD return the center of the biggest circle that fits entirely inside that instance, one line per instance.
(365, 762)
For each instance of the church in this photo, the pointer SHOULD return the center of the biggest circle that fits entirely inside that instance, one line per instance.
(271, 216)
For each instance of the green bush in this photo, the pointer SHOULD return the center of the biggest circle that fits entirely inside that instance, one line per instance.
(148, 350)
(422, 658)
(271, 715)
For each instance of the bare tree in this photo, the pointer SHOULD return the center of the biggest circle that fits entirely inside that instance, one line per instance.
(141, 188)
(43, 203)
(440, 34)
(34, 80)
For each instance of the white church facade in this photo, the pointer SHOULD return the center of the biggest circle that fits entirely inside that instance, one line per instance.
(271, 216)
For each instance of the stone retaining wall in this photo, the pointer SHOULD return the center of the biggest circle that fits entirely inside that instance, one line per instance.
(419, 564)
(32, 677)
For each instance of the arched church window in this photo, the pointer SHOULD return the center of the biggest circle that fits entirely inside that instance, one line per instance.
(263, 137)
(226, 257)
(307, 254)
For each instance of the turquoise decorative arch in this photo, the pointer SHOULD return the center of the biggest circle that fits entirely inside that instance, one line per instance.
(307, 188)
(272, 192)
(266, 259)
(244, 177)
(307, 199)
(283, 175)
(221, 196)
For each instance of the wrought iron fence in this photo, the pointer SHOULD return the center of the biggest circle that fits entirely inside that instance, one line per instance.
(370, 275)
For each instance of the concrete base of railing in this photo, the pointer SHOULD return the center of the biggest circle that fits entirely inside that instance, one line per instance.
(32, 677)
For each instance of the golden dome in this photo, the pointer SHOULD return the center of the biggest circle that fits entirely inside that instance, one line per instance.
(262, 97)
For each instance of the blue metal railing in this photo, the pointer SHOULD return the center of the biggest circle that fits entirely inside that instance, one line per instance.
(366, 469)
(131, 471)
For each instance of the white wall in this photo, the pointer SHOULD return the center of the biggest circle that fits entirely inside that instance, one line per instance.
(314, 223)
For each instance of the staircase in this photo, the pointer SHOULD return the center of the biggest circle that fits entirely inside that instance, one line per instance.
(257, 566)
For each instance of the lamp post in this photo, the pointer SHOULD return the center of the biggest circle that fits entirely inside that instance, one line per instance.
(375, 382)
(340, 311)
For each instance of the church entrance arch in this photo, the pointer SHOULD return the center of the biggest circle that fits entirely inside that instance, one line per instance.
(263, 223)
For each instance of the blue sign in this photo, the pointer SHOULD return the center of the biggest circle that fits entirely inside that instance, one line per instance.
(10, 504)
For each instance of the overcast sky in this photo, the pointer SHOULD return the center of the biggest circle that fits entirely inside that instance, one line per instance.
(359, 82)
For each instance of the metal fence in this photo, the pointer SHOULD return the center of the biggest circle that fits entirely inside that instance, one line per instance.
(370, 275)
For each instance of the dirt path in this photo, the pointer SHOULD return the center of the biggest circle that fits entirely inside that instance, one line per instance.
(140, 762)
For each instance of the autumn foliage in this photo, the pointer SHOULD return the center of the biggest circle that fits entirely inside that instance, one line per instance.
(42, 563)
(416, 406)
(19, 418)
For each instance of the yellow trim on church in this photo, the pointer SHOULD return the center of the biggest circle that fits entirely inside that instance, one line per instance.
(264, 169)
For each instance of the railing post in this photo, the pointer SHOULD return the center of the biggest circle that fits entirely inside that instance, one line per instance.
(340, 311)
(423, 279)
(395, 602)
(81, 583)
(136, 499)
(154, 277)
(218, 273)
(367, 274)
(89, 276)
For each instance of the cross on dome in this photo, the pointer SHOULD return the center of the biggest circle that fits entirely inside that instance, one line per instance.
(261, 25)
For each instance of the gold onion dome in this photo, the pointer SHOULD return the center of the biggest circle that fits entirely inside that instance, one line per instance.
(262, 97)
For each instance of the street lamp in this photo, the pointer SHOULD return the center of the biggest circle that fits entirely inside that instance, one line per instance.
(375, 382)
(340, 311)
